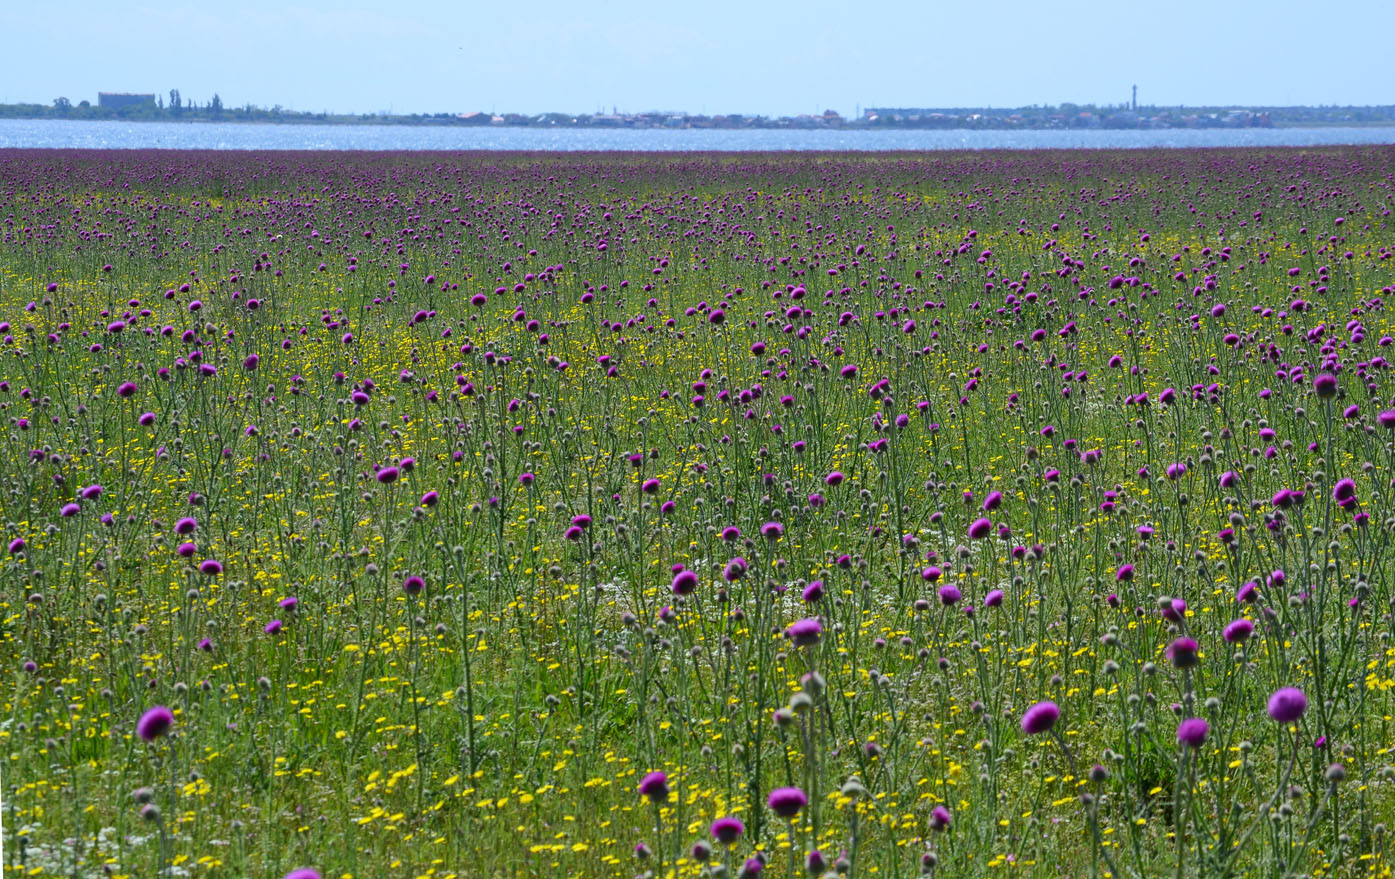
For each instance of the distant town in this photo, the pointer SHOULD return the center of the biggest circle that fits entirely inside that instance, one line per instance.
(153, 107)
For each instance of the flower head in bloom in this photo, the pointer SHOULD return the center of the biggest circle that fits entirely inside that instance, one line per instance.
(211, 567)
(413, 584)
(1192, 732)
(1325, 385)
(1183, 653)
(154, 723)
(805, 632)
(303, 873)
(1287, 704)
(786, 801)
(939, 818)
(654, 786)
(980, 529)
(1040, 718)
(1237, 631)
(684, 583)
(727, 830)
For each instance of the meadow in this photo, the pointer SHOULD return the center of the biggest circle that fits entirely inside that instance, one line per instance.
(457, 515)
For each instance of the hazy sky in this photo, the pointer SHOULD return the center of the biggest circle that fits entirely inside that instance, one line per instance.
(745, 56)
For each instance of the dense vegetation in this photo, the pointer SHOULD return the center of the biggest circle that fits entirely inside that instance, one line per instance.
(441, 515)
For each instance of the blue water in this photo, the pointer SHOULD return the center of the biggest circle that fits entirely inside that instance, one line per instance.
(69, 134)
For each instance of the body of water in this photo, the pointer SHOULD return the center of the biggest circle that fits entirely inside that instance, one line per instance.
(67, 134)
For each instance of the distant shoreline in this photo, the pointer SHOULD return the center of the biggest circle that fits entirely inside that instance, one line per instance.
(855, 129)
(1066, 117)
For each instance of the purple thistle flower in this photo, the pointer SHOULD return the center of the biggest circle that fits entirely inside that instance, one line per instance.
(939, 819)
(1287, 704)
(654, 786)
(684, 583)
(1184, 653)
(1040, 718)
(727, 830)
(154, 723)
(1192, 732)
(786, 801)
(1238, 631)
(1325, 385)
(805, 632)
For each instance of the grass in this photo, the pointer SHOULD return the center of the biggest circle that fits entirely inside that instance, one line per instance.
(506, 375)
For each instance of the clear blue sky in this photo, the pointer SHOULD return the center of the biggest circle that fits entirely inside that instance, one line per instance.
(748, 56)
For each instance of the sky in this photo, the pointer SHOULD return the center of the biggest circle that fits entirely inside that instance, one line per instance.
(708, 56)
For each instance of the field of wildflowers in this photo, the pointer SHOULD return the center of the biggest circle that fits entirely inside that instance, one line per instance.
(427, 515)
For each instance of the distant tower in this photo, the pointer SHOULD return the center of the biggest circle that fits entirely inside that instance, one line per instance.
(1135, 99)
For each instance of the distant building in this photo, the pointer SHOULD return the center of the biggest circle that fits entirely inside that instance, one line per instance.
(124, 99)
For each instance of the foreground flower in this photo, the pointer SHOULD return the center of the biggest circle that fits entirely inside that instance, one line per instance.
(939, 818)
(1287, 704)
(154, 723)
(727, 830)
(1192, 732)
(1040, 718)
(787, 801)
(805, 632)
(654, 786)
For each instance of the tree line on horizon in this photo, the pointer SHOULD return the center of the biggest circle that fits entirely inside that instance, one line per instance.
(1069, 115)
